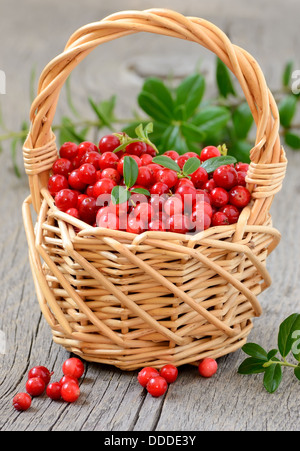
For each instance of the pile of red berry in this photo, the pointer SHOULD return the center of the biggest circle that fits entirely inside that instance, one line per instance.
(122, 184)
(67, 388)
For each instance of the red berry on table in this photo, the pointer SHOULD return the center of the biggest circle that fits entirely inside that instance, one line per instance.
(225, 176)
(136, 148)
(239, 196)
(53, 391)
(56, 183)
(66, 199)
(68, 150)
(73, 367)
(219, 197)
(108, 160)
(87, 173)
(75, 182)
(209, 152)
(146, 374)
(62, 166)
(208, 367)
(40, 371)
(169, 372)
(108, 143)
(199, 177)
(88, 210)
(70, 391)
(22, 401)
(157, 386)
(231, 212)
(66, 378)
(35, 386)
(219, 218)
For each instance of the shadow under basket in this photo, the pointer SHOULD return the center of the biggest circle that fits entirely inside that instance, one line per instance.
(146, 300)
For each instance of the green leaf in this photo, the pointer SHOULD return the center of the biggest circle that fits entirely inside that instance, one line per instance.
(296, 344)
(272, 378)
(189, 94)
(166, 162)
(119, 195)
(240, 150)
(14, 149)
(156, 100)
(211, 119)
(140, 191)
(104, 110)
(292, 140)
(130, 171)
(286, 330)
(287, 74)
(191, 165)
(242, 120)
(69, 133)
(212, 164)
(297, 372)
(254, 350)
(287, 109)
(191, 132)
(251, 366)
(224, 82)
(172, 139)
(272, 353)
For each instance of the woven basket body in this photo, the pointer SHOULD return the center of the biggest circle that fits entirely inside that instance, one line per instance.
(159, 297)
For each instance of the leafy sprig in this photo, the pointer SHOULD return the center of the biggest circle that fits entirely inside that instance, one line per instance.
(261, 361)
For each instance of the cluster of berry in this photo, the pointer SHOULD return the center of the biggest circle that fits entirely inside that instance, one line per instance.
(132, 189)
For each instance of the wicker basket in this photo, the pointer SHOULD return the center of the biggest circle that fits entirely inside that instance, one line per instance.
(136, 300)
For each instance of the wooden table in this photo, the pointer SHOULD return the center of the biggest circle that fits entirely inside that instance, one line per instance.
(33, 33)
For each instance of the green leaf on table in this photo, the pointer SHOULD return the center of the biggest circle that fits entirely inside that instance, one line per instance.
(191, 132)
(119, 195)
(287, 74)
(211, 119)
(252, 365)
(254, 350)
(272, 353)
(190, 166)
(166, 162)
(287, 110)
(292, 140)
(242, 120)
(297, 372)
(189, 94)
(224, 82)
(272, 378)
(130, 171)
(212, 164)
(286, 331)
(156, 100)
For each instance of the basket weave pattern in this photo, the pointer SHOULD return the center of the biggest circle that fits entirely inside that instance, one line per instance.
(135, 300)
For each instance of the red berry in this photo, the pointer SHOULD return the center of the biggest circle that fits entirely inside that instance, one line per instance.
(108, 160)
(159, 188)
(179, 223)
(209, 185)
(87, 173)
(157, 202)
(157, 386)
(208, 367)
(75, 182)
(40, 371)
(53, 391)
(209, 152)
(225, 176)
(108, 143)
(73, 212)
(157, 226)
(167, 176)
(154, 168)
(199, 177)
(144, 177)
(241, 178)
(144, 211)
(86, 147)
(182, 159)
(135, 225)
(231, 212)
(188, 195)
(172, 154)
(136, 148)
(239, 196)
(146, 374)
(73, 367)
(201, 220)
(62, 166)
(169, 372)
(103, 186)
(70, 391)
(66, 199)
(22, 401)
(242, 167)
(150, 150)
(108, 220)
(219, 197)
(56, 183)
(87, 210)
(219, 219)
(173, 205)
(80, 199)
(35, 386)
(111, 173)
(204, 207)
(121, 163)
(65, 379)
(92, 158)
(68, 150)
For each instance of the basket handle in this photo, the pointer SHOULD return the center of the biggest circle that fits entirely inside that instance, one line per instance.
(268, 161)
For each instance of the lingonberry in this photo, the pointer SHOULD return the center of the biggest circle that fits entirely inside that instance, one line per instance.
(150, 150)
(87, 210)
(22, 401)
(86, 147)
(231, 212)
(239, 196)
(146, 159)
(80, 199)
(70, 391)
(204, 207)
(136, 148)
(159, 188)
(111, 173)
(40, 371)
(208, 367)
(89, 191)
(73, 367)
(66, 378)
(154, 168)
(144, 211)
(179, 223)
(167, 176)
(241, 178)
(62, 166)
(209, 152)
(87, 173)
(144, 177)
(172, 154)
(56, 183)
(108, 143)
(181, 160)
(35, 386)
(169, 373)
(188, 195)
(203, 196)
(73, 212)
(219, 197)
(173, 205)
(75, 182)
(66, 199)
(225, 176)
(53, 391)
(157, 386)
(201, 220)
(121, 163)
(157, 226)
(146, 374)
(92, 158)
(103, 186)
(68, 150)
(135, 225)
(242, 167)
(199, 177)
(209, 185)
(108, 220)
(219, 218)
(108, 160)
